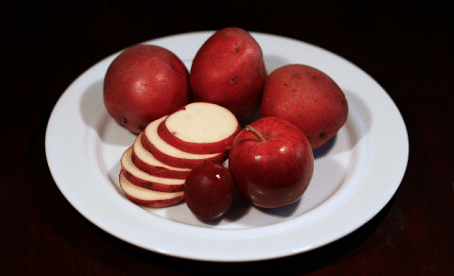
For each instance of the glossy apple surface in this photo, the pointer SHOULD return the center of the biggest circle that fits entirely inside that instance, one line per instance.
(271, 162)
(143, 83)
(209, 191)
(306, 97)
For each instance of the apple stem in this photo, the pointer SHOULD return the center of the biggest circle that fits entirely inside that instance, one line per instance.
(256, 132)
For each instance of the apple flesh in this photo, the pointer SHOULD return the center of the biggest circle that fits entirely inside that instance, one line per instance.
(149, 198)
(307, 98)
(271, 162)
(200, 128)
(229, 70)
(172, 156)
(145, 161)
(209, 191)
(147, 181)
(143, 83)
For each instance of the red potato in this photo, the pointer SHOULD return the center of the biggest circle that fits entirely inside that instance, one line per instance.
(147, 181)
(148, 198)
(144, 83)
(172, 156)
(229, 70)
(308, 98)
(200, 128)
(145, 161)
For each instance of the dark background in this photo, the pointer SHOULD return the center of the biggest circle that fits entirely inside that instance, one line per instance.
(408, 47)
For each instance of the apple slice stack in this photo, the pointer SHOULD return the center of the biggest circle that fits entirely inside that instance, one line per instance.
(154, 168)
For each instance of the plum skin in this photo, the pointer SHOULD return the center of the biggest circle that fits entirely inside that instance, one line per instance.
(209, 191)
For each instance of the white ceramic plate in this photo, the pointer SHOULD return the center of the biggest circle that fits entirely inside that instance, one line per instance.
(353, 179)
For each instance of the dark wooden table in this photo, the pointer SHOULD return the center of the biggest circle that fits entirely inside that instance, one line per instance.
(407, 48)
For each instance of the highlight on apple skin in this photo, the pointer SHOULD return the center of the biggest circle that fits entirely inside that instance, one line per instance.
(187, 129)
(271, 162)
(209, 191)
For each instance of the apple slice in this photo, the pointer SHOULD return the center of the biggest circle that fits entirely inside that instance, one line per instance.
(145, 161)
(172, 156)
(200, 128)
(148, 198)
(144, 180)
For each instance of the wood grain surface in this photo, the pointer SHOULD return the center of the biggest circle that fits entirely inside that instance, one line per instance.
(408, 47)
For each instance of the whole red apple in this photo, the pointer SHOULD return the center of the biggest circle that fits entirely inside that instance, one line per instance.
(209, 191)
(144, 83)
(271, 162)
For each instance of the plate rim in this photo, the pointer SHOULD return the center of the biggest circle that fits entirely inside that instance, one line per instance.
(93, 218)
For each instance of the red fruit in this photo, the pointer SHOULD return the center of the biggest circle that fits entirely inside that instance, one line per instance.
(272, 162)
(209, 191)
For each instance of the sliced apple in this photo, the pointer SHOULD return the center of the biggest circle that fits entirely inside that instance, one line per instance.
(172, 156)
(149, 198)
(145, 161)
(147, 181)
(200, 128)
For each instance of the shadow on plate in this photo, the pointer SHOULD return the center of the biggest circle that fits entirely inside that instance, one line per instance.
(272, 62)
(283, 212)
(91, 103)
(95, 116)
(325, 148)
(239, 208)
(360, 113)
(359, 122)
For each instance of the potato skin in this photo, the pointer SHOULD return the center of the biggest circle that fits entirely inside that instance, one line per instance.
(144, 83)
(229, 70)
(306, 97)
